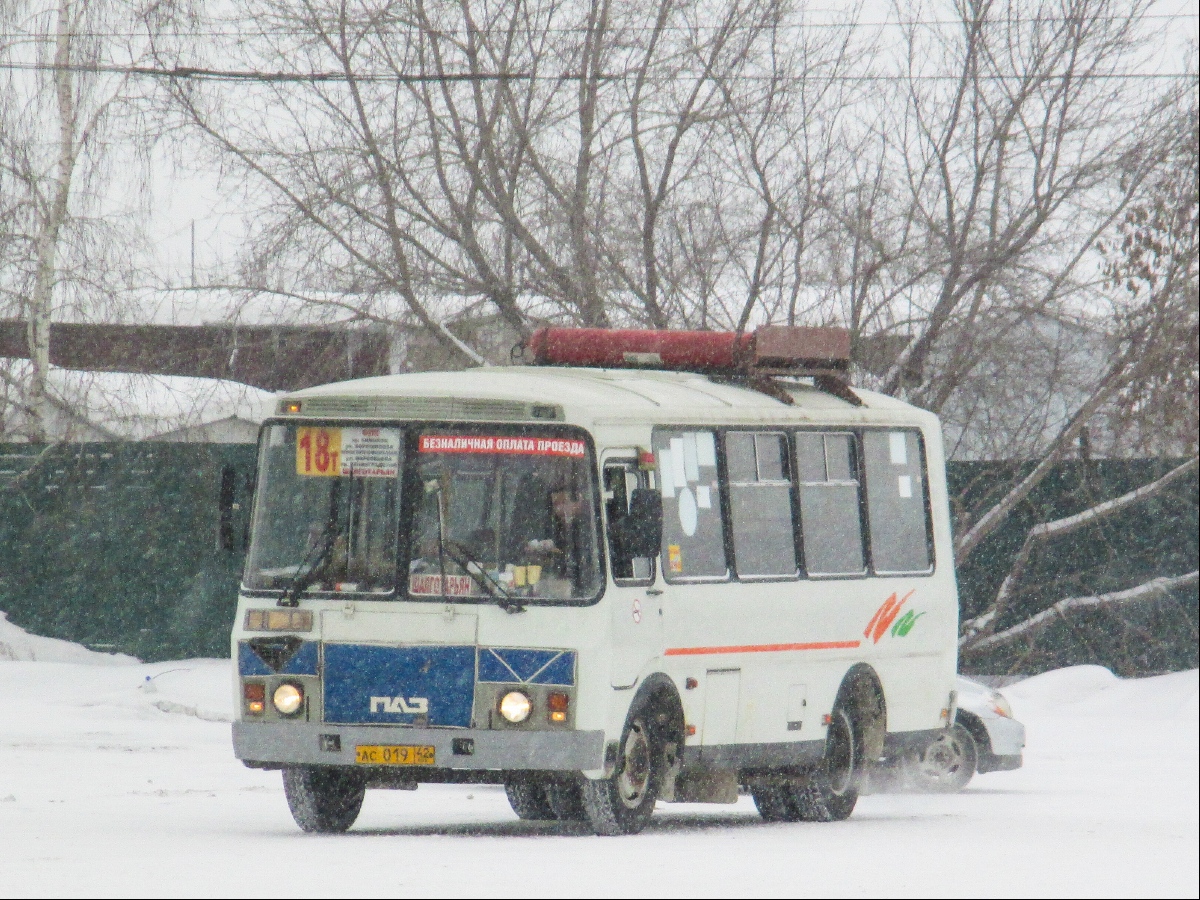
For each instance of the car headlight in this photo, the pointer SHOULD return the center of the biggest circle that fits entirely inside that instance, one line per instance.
(288, 698)
(515, 706)
(1000, 706)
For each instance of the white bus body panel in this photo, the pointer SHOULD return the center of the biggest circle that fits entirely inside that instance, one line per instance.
(767, 657)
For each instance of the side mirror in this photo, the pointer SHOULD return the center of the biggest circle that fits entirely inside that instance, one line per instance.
(225, 504)
(640, 532)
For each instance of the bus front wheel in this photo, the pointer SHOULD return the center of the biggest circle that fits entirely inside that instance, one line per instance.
(624, 802)
(527, 797)
(323, 799)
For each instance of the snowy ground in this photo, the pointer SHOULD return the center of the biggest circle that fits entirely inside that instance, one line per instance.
(109, 789)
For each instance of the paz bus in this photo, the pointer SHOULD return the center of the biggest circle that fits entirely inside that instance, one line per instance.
(640, 567)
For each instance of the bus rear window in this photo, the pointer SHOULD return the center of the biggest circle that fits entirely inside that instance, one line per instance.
(896, 509)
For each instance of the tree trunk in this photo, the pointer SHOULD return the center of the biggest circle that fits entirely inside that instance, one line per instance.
(41, 303)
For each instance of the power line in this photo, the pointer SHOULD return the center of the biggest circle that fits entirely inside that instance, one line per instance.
(184, 73)
(580, 29)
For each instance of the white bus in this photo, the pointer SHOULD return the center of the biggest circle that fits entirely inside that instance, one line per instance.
(601, 580)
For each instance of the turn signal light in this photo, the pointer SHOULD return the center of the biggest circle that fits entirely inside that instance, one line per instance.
(255, 694)
(557, 704)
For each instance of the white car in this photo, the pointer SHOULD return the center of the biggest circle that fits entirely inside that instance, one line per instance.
(984, 738)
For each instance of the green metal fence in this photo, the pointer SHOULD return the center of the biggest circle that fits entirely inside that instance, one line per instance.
(118, 546)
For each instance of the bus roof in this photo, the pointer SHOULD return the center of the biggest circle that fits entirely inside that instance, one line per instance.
(586, 396)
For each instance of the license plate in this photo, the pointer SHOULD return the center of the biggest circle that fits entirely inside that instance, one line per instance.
(393, 755)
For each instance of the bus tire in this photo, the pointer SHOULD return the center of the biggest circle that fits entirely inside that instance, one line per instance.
(624, 802)
(566, 801)
(323, 799)
(831, 791)
(527, 797)
(774, 803)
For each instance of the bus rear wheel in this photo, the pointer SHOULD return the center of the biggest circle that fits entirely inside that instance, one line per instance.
(831, 792)
(624, 802)
(774, 802)
(323, 799)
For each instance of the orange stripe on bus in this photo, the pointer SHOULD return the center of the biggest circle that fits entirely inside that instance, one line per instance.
(762, 648)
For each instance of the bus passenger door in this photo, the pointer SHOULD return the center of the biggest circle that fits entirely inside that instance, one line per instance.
(636, 618)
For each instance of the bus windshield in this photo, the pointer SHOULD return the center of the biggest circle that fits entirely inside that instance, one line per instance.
(326, 512)
(507, 516)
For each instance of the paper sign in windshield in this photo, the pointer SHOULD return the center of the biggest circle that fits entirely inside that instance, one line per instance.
(456, 585)
(479, 443)
(342, 452)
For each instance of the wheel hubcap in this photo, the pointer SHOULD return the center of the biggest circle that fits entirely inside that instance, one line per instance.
(943, 759)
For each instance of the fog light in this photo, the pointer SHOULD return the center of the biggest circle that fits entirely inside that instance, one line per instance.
(515, 707)
(288, 699)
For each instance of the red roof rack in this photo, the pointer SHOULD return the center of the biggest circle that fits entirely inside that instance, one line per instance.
(820, 353)
(773, 350)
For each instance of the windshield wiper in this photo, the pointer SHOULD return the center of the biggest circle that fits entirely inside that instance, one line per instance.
(466, 561)
(473, 567)
(307, 573)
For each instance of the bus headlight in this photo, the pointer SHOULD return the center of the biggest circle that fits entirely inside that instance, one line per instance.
(288, 698)
(515, 706)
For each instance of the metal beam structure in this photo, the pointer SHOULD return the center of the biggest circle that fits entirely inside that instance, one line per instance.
(274, 358)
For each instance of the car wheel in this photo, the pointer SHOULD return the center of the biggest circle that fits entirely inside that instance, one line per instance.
(323, 799)
(946, 764)
(527, 797)
(624, 802)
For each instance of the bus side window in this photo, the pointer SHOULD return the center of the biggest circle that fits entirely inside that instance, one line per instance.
(760, 500)
(621, 479)
(830, 520)
(693, 544)
(896, 508)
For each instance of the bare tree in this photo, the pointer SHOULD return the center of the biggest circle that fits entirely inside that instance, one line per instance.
(535, 161)
(66, 249)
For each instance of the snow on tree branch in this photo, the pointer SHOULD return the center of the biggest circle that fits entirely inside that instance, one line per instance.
(972, 629)
(1062, 607)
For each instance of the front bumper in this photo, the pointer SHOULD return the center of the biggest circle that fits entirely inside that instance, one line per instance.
(1006, 736)
(296, 743)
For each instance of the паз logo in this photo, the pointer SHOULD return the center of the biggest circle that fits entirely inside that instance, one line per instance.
(886, 615)
(400, 705)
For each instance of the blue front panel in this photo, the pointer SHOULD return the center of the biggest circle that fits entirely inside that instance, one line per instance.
(368, 684)
(302, 662)
(513, 664)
